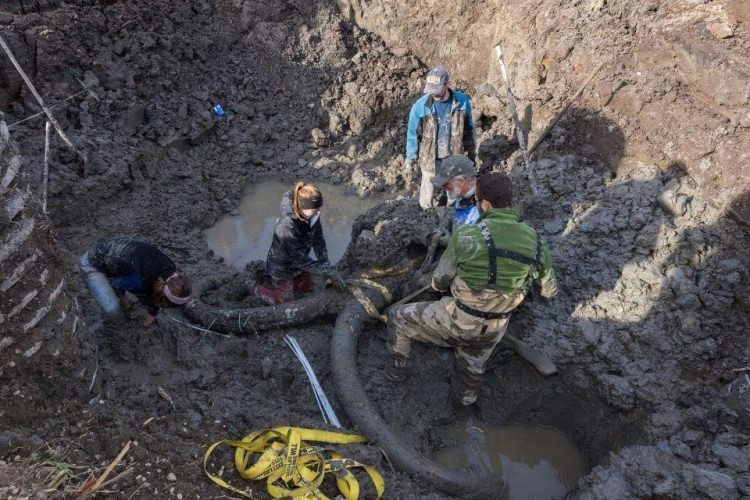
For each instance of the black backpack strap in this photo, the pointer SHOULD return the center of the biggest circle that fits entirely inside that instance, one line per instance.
(495, 252)
(537, 261)
(492, 269)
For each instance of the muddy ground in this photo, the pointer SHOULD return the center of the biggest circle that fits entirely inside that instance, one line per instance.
(649, 323)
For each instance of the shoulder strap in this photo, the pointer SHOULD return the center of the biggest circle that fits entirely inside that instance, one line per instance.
(495, 252)
(492, 269)
(537, 258)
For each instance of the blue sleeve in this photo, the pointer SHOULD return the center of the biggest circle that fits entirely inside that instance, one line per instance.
(133, 283)
(130, 283)
(412, 146)
(468, 127)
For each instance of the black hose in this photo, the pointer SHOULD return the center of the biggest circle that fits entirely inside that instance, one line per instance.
(250, 320)
(360, 410)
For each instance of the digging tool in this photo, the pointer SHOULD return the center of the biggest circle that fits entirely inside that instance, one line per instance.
(411, 296)
(564, 109)
(516, 120)
(541, 362)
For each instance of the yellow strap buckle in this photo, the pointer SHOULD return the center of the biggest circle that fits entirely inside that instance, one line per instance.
(291, 467)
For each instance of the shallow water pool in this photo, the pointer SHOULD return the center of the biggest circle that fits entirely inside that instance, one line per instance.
(245, 237)
(536, 462)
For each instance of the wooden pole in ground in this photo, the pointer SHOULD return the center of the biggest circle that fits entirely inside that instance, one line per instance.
(564, 109)
(46, 110)
(516, 120)
(45, 179)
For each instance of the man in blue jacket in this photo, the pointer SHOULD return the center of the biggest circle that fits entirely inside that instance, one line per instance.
(440, 125)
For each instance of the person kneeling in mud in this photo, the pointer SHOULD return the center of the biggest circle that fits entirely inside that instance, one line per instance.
(113, 267)
(298, 230)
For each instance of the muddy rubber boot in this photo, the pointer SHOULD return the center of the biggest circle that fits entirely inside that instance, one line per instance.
(457, 413)
(396, 371)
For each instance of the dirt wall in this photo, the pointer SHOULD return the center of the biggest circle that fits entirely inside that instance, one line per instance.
(676, 78)
(38, 319)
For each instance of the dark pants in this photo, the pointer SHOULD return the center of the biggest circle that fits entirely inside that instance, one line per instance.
(282, 291)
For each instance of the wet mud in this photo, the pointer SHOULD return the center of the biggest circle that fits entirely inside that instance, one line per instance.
(648, 325)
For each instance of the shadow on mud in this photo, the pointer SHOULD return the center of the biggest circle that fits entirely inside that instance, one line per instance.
(647, 272)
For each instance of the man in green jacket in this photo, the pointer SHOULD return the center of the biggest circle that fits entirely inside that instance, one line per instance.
(489, 267)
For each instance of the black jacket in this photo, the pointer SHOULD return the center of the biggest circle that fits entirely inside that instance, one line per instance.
(292, 241)
(121, 257)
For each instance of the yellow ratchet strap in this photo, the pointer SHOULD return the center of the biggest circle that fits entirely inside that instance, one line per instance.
(372, 285)
(293, 468)
(396, 270)
(367, 304)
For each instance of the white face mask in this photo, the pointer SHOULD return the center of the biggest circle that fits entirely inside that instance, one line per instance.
(314, 219)
(455, 194)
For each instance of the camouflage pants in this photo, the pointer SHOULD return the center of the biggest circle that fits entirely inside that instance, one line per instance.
(442, 323)
(426, 190)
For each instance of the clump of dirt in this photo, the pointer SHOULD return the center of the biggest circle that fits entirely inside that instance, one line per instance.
(390, 233)
(653, 278)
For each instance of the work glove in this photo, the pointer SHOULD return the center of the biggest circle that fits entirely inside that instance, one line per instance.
(337, 280)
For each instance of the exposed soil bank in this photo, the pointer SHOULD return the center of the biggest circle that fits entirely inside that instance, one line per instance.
(653, 307)
(676, 81)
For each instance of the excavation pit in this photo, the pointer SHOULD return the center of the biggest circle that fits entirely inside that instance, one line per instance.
(646, 330)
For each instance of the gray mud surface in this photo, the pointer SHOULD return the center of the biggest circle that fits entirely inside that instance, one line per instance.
(651, 318)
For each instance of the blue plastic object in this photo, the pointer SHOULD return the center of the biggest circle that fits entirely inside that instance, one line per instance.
(218, 111)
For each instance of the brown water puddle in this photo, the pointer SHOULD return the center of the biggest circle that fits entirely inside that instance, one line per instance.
(536, 462)
(246, 237)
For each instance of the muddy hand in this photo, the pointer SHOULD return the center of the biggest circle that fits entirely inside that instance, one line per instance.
(337, 281)
(149, 320)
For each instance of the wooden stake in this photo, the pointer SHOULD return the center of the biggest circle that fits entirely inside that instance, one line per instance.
(90, 488)
(564, 109)
(516, 121)
(46, 110)
(45, 179)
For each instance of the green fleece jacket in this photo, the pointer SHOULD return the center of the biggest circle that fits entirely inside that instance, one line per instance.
(467, 256)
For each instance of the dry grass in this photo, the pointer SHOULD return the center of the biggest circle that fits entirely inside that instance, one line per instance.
(47, 471)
